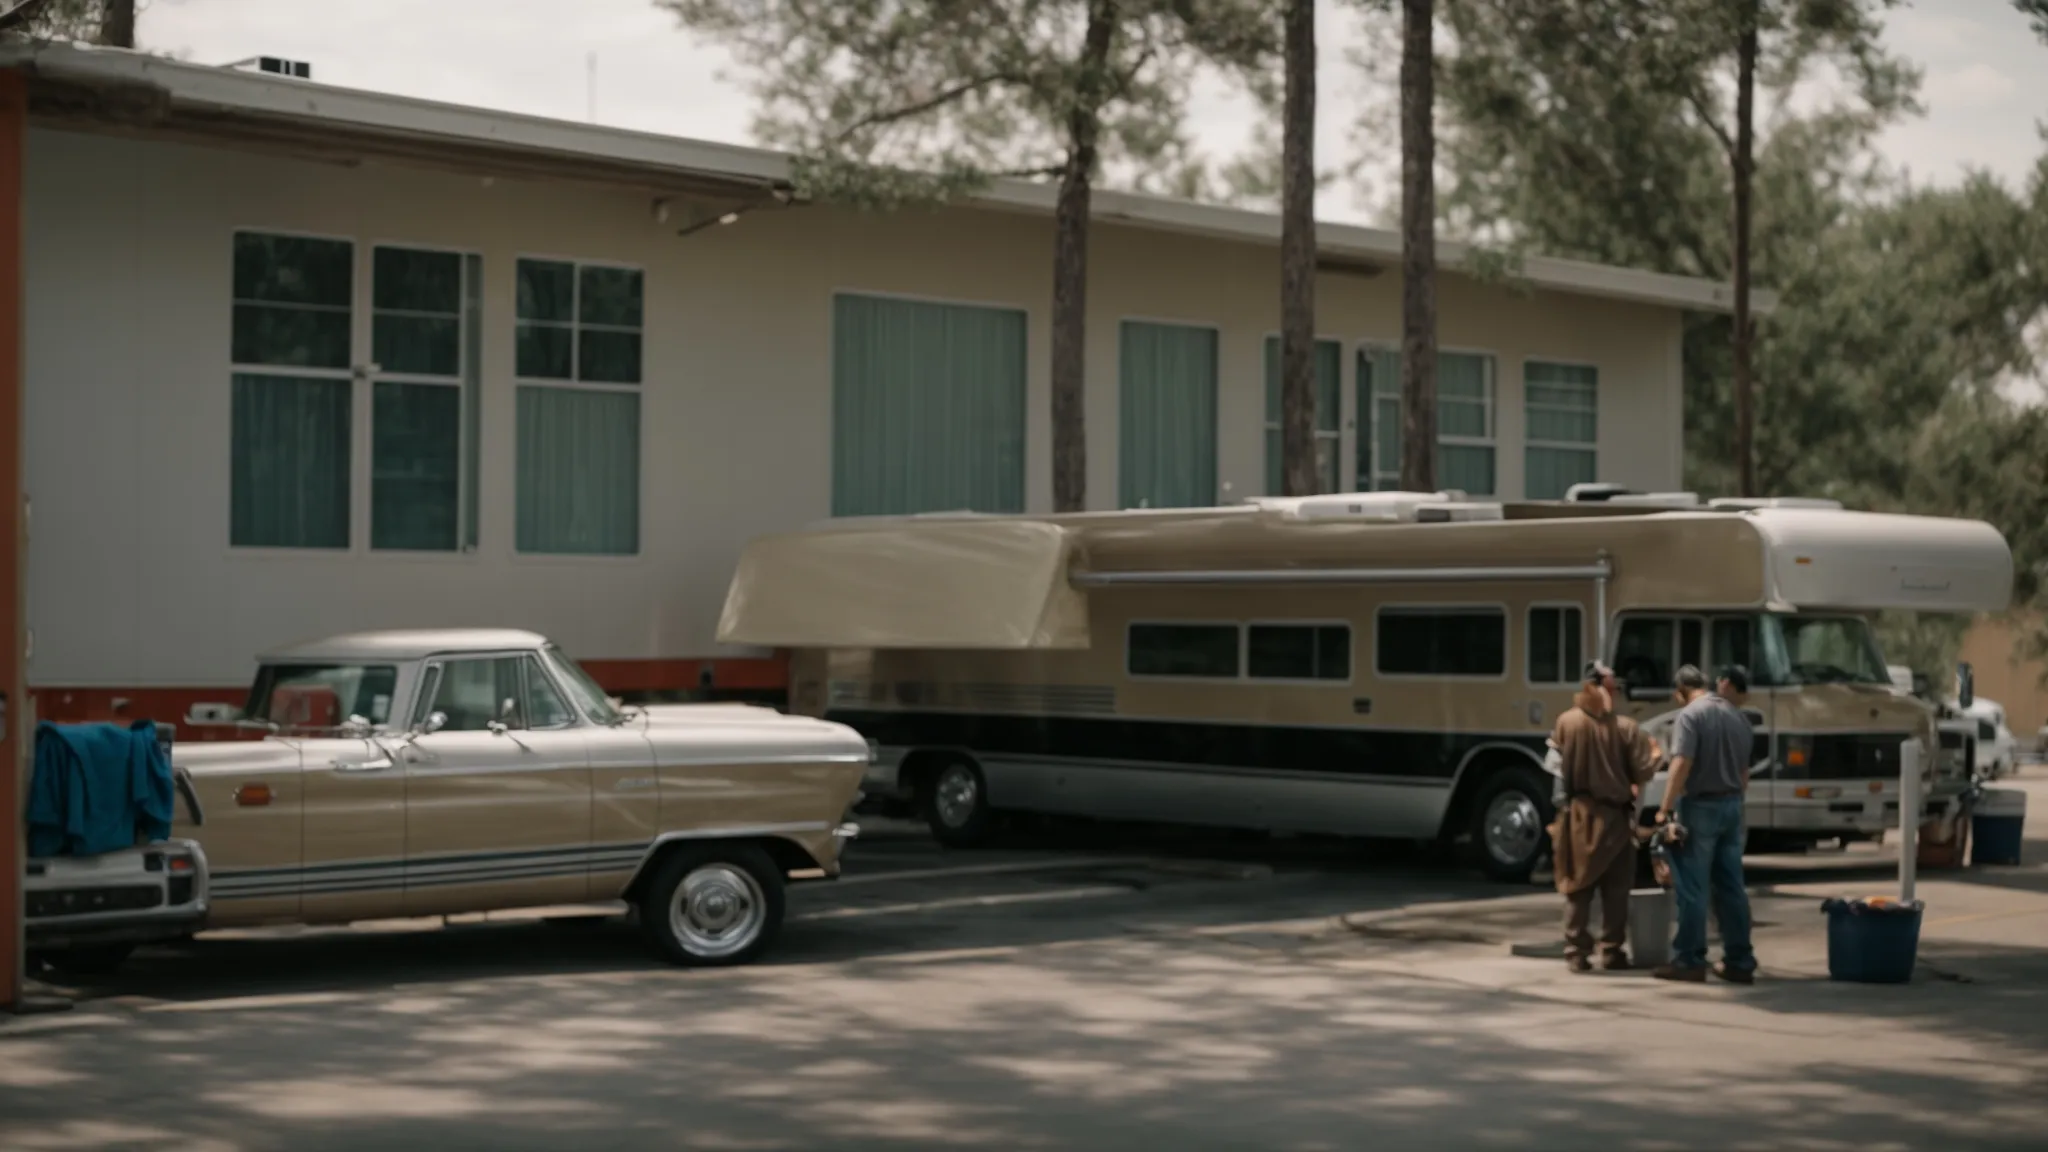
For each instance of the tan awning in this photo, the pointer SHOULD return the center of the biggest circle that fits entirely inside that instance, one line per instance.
(930, 583)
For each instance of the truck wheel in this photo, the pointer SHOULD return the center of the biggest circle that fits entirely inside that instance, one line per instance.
(714, 905)
(1511, 822)
(92, 960)
(956, 805)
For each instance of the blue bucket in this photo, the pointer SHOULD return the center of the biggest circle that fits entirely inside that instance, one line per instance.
(1872, 943)
(1997, 825)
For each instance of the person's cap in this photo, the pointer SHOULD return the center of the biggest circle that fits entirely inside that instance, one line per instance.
(1736, 675)
(1596, 671)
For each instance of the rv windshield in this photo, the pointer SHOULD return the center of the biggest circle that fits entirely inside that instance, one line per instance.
(1821, 650)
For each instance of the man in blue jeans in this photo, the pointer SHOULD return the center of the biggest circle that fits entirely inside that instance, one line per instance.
(1710, 750)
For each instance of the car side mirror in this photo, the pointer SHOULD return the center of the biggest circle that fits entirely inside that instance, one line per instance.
(508, 708)
(1966, 685)
(434, 722)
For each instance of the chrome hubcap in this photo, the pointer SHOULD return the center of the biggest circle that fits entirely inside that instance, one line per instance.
(1513, 828)
(956, 795)
(717, 910)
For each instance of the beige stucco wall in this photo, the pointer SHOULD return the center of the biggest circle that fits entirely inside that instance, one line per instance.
(132, 582)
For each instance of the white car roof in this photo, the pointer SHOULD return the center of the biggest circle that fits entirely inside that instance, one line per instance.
(415, 644)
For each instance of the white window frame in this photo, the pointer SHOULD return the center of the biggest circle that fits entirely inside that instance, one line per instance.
(358, 336)
(1591, 447)
(1445, 608)
(467, 468)
(1570, 675)
(1391, 396)
(638, 388)
(1335, 435)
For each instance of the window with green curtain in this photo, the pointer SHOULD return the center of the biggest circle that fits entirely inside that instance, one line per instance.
(1166, 431)
(1464, 421)
(927, 407)
(424, 331)
(293, 310)
(578, 327)
(1329, 416)
(1562, 406)
(578, 485)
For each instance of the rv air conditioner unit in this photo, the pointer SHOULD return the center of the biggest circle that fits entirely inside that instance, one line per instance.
(1370, 506)
(1596, 493)
(1657, 500)
(1754, 503)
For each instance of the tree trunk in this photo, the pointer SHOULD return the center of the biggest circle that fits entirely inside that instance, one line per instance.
(1299, 473)
(1418, 250)
(1745, 171)
(1070, 267)
(117, 24)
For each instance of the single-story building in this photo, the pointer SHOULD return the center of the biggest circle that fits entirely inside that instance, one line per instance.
(302, 359)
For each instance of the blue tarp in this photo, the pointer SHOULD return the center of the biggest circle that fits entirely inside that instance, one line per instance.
(95, 787)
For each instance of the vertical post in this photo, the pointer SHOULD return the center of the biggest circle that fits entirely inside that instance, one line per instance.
(1600, 610)
(1909, 818)
(13, 693)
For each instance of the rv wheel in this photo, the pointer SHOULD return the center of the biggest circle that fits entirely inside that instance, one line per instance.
(1511, 822)
(956, 805)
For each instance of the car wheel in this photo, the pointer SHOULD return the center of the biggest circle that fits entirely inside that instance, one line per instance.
(714, 905)
(94, 960)
(1511, 823)
(956, 805)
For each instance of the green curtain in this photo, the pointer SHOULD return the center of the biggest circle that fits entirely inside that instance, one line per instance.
(1464, 394)
(289, 462)
(1562, 403)
(415, 466)
(578, 482)
(1329, 415)
(927, 407)
(1166, 431)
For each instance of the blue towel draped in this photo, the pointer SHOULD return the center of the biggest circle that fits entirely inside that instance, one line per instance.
(96, 787)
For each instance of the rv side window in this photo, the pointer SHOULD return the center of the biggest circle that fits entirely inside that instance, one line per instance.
(1202, 651)
(1298, 652)
(1734, 642)
(1555, 636)
(1649, 650)
(1442, 642)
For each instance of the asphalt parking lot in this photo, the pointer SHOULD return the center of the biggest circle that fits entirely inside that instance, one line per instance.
(1075, 989)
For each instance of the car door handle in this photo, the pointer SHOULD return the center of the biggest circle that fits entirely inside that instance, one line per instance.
(359, 765)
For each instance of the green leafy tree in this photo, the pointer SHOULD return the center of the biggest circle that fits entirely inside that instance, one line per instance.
(888, 102)
(98, 21)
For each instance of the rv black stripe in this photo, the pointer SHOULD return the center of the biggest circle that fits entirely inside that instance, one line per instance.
(1334, 752)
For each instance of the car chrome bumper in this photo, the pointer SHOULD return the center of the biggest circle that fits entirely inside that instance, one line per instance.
(153, 892)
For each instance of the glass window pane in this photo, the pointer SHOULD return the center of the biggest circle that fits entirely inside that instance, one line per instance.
(421, 345)
(290, 337)
(1298, 652)
(415, 460)
(1462, 375)
(1578, 376)
(1642, 654)
(1544, 639)
(544, 705)
(604, 357)
(1333, 652)
(1574, 642)
(544, 351)
(1731, 641)
(1561, 425)
(473, 694)
(408, 280)
(294, 270)
(1196, 650)
(1442, 642)
(1465, 467)
(1550, 472)
(289, 451)
(578, 481)
(547, 291)
(611, 296)
(1460, 418)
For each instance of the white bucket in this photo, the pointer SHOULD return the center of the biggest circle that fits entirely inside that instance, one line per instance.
(1649, 925)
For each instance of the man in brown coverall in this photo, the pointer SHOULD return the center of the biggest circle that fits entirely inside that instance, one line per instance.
(1605, 759)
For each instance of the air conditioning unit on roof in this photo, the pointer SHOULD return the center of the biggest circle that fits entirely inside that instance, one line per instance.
(1656, 500)
(1366, 506)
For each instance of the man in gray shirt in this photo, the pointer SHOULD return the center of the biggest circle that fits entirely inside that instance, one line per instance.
(1710, 751)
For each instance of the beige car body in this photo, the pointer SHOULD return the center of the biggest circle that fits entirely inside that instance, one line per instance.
(387, 816)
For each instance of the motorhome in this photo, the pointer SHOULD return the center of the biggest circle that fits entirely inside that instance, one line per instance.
(1374, 664)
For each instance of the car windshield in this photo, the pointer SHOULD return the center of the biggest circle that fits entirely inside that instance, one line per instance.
(322, 695)
(1823, 650)
(588, 696)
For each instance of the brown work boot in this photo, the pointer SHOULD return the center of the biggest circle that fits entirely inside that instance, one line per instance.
(1577, 963)
(1675, 972)
(1735, 975)
(1616, 961)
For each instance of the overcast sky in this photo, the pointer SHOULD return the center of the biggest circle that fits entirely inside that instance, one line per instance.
(1985, 85)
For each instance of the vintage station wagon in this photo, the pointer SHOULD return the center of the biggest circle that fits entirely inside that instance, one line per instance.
(441, 772)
